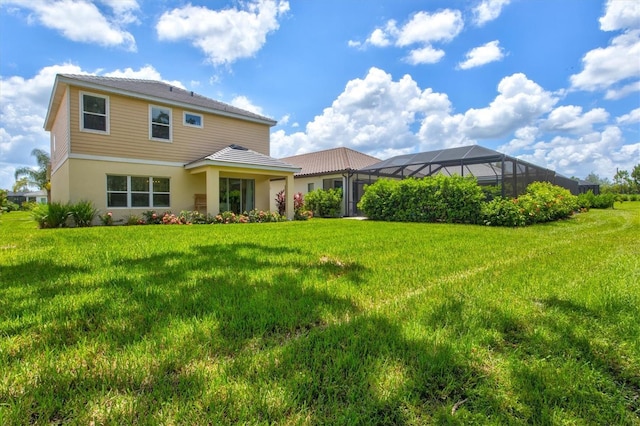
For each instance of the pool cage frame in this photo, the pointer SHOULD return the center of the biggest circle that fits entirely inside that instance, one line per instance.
(489, 167)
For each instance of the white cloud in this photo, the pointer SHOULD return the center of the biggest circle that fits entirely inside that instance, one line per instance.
(82, 21)
(425, 28)
(223, 35)
(604, 67)
(374, 114)
(598, 152)
(525, 137)
(244, 103)
(425, 55)
(569, 118)
(422, 30)
(481, 55)
(488, 10)
(620, 14)
(632, 117)
(619, 93)
(519, 103)
(284, 120)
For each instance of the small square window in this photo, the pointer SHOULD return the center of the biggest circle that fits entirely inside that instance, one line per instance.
(192, 119)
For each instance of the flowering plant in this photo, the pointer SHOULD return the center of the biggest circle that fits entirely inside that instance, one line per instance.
(106, 219)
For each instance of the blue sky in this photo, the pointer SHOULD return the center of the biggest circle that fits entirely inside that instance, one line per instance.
(556, 83)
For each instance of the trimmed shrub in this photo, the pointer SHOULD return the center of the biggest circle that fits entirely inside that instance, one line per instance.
(53, 215)
(83, 213)
(452, 199)
(603, 201)
(545, 202)
(324, 203)
(503, 212)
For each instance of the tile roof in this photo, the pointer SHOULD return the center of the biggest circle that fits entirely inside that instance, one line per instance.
(163, 91)
(238, 156)
(334, 160)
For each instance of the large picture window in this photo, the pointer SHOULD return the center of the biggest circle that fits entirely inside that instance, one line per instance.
(95, 113)
(237, 195)
(160, 123)
(137, 191)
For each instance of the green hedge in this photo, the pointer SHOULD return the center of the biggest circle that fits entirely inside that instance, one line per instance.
(452, 199)
(324, 203)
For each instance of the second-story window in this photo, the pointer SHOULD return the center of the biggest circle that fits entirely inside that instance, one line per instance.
(192, 119)
(160, 123)
(95, 113)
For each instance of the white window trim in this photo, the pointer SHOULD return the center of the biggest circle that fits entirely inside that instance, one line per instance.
(130, 192)
(151, 124)
(184, 119)
(107, 114)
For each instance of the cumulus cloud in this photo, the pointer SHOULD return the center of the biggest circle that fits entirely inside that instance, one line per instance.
(147, 72)
(598, 152)
(609, 68)
(374, 114)
(569, 118)
(82, 21)
(620, 15)
(482, 55)
(488, 10)
(604, 67)
(244, 103)
(632, 117)
(223, 35)
(419, 34)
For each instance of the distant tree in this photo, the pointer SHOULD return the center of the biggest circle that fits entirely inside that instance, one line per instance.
(597, 180)
(635, 176)
(21, 185)
(39, 177)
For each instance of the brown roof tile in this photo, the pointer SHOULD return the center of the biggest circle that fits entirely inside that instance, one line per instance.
(334, 160)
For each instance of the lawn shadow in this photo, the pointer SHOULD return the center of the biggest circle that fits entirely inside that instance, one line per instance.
(215, 301)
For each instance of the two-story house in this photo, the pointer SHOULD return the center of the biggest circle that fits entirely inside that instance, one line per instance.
(132, 145)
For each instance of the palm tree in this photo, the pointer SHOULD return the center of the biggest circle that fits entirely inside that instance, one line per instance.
(38, 177)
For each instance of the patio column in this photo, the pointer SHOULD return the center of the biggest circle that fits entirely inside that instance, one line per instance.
(213, 191)
(289, 192)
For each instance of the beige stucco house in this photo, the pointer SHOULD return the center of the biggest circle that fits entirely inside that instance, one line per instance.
(327, 169)
(131, 145)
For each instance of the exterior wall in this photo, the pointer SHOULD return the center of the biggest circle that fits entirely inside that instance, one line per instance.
(128, 135)
(60, 183)
(90, 184)
(60, 134)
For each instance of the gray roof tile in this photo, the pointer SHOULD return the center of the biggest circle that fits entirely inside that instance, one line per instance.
(166, 92)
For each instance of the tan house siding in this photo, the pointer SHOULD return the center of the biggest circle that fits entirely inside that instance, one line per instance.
(129, 132)
(60, 183)
(60, 134)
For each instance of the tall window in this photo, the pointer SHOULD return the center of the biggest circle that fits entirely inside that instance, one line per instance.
(137, 191)
(95, 113)
(237, 195)
(160, 123)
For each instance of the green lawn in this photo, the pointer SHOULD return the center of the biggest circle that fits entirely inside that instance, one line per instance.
(322, 322)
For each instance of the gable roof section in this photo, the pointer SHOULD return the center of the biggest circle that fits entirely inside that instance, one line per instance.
(238, 156)
(149, 90)
(442, 156)
(334, 160)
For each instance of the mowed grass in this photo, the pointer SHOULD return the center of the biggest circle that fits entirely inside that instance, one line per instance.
(322, 322)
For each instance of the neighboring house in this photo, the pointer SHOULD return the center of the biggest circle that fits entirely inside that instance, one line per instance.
(331, 168)
(39, 197)
(132, 145)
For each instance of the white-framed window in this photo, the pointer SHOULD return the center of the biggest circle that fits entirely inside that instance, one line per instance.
(138, 191)
(94, 113)
(160, 123)
(192, 119)
(310, 186)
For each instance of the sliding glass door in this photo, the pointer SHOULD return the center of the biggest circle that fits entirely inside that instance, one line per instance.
(237, 195)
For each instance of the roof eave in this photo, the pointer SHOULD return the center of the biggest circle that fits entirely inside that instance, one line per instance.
(207, 162)
(95, 86)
